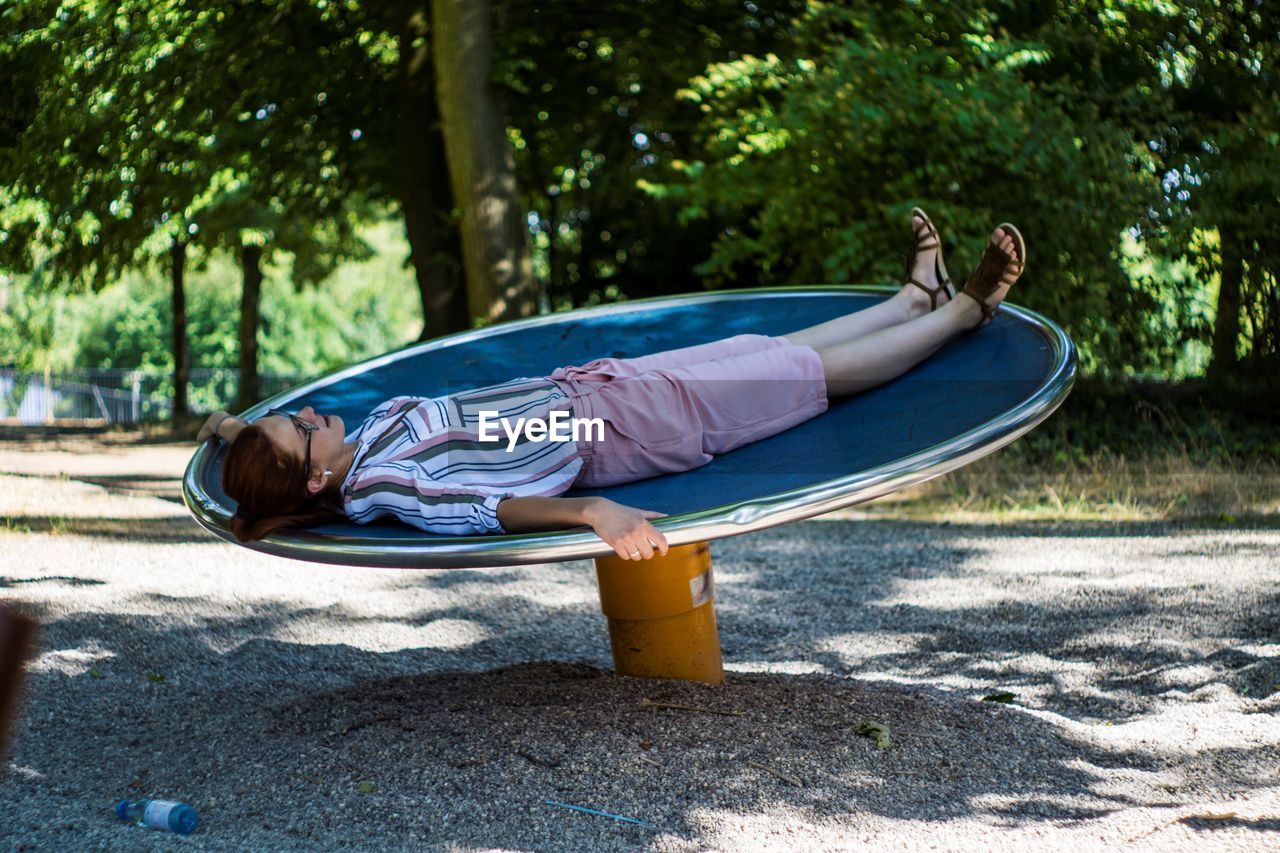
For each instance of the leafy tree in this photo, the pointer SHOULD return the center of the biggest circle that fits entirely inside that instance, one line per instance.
(84, 194)
(819, 153)
(138, 132)
(1220, 164)
(592, 89)
(170, 122)
(355, 313)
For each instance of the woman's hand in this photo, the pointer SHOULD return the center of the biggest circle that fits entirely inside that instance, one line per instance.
(626, 529)
(212, 425)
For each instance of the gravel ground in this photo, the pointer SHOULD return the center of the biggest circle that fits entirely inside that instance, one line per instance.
(313, 707)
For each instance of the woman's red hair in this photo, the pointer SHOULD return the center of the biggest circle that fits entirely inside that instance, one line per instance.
(270, 487)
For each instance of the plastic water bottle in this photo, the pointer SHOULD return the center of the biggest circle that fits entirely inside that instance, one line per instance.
(160, 814)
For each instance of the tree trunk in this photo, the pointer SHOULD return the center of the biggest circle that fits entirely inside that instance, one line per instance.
(422, 174)
(1226, 325)
(178, 263)
(495, 236)
(251, 260)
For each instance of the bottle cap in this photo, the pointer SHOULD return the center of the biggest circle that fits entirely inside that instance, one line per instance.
(122, 809)
(184, 820)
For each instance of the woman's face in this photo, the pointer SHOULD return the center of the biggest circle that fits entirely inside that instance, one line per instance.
(327, 445)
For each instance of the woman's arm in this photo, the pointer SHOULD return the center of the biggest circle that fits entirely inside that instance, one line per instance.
(624, 529)
(220, 425)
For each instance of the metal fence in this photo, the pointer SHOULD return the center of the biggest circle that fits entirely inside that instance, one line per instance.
(118, 396)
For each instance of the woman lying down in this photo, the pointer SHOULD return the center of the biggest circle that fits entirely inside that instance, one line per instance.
(493, 459)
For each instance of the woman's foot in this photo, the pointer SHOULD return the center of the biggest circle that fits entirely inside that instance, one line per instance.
(927, 284)
(1001, 264)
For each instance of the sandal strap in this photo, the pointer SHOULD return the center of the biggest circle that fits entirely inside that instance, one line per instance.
(991, 272)
(932, 291)
(926, 233)
(924, 239)
(988, 312)
(944, 280)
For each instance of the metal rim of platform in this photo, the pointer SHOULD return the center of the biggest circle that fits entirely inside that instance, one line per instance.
(703, 525)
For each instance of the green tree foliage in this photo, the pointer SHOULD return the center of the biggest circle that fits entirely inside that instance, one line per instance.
(1219, 149)
(1089, 123)
(819, 152)
(162, 123)
(664, 145)
(194, 120)
(590, 89)
(362, 309)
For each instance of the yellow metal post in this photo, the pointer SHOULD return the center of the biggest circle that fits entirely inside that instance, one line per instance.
(661, 618)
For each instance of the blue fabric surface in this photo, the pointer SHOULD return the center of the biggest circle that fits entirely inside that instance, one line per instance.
(965, 384)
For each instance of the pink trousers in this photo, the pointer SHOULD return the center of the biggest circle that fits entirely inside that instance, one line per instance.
(674, 411)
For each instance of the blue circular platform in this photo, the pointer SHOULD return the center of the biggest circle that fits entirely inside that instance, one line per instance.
(976, 394)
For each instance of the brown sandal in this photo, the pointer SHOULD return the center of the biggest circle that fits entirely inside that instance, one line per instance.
(995, 268)
(926, 238)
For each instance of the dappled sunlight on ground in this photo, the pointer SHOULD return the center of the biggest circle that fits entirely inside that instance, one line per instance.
(34, 496)
(1136, 662)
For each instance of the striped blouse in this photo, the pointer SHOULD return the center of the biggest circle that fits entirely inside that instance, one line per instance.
(430, 470)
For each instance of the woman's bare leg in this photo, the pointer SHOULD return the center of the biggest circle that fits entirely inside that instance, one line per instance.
(851, 366)
(907, 304)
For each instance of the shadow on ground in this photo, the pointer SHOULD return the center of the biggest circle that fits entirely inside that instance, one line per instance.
(174, 530)
(462, 733)
(128, 485)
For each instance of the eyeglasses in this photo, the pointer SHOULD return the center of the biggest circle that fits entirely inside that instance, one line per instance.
(307, 426)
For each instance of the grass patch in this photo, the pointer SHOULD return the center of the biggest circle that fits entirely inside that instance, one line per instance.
(175, 529)
(1122, 452)
(1010, 486)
